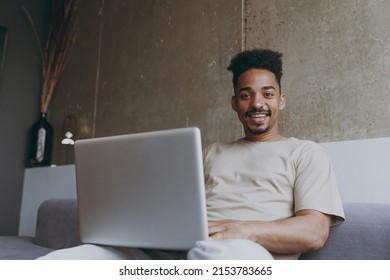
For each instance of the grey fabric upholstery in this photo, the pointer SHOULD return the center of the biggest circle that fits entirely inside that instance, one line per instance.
(20, 248)
(57, 224)
(57, 227)
(365, 235)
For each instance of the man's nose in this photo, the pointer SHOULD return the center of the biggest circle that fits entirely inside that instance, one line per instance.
(257, 101)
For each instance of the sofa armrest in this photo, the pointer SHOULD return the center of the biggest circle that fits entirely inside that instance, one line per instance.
(365, 235)
(57, 224)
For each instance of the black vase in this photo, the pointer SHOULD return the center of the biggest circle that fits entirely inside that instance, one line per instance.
(41, 143)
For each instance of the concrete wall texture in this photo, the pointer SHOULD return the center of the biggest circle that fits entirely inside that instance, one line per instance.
(149, 65)
(19, 102)
(336, 56)
(145, 65)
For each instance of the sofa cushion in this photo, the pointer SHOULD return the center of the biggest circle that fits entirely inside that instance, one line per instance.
(365, 235)
(20, 248)
(57, 224)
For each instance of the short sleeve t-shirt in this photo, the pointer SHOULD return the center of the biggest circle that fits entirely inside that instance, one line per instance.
(269, 181)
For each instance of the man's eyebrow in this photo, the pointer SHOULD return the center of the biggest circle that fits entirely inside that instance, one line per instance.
(268, 87)
(244, 89)
(262, 88)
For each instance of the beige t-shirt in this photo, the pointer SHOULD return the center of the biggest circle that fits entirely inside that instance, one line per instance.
(269, 181)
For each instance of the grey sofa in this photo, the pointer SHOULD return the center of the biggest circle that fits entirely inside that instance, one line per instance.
(364, 236)
(56, 228)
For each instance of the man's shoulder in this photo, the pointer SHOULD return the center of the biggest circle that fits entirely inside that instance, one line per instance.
(307, 144)
(222, 148)
(217, 146)
(308, 150)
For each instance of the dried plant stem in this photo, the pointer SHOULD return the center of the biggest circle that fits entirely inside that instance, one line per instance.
(61, 36)
(31, 21)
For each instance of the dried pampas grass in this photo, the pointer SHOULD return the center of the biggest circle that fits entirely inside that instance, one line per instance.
(60, 38)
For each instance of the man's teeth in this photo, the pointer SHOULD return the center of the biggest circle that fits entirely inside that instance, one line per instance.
(258, 115)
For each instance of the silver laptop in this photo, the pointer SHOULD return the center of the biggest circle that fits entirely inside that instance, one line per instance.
(143, 190)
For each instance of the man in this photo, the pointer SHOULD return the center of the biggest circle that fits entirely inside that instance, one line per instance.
(279, 192)
(265, 193)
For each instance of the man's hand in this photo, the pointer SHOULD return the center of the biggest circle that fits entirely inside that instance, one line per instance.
(230, 229)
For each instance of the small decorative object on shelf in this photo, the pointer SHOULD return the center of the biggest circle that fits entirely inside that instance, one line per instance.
(41, 142)
(69, 129)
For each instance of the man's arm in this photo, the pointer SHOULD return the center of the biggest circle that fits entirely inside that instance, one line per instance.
(306, 231)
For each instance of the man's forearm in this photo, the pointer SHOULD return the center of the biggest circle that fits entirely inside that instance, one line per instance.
(307, 231)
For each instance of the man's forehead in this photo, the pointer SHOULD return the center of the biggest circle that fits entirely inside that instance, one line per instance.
(259, 78)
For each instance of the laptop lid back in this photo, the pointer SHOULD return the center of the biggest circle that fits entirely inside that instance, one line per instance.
(142, 190)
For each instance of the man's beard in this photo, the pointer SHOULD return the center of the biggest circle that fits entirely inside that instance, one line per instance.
(259, 130)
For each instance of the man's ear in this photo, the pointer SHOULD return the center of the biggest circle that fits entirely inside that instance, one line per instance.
(282, 102)
(233, 103)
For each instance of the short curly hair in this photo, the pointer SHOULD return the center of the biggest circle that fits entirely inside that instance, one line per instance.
(256, 59)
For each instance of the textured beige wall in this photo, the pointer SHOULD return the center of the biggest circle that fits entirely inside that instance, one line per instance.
(148, 65)
(337, 56)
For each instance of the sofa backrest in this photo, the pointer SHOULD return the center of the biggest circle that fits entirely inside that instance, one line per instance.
(362, 168)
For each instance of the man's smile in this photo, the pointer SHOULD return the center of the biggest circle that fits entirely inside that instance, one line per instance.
(257, 114)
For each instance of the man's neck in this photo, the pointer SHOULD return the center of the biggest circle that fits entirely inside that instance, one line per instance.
(265, 137)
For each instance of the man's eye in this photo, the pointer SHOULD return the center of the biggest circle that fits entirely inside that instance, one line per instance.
(269, 94)
(244, 95)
